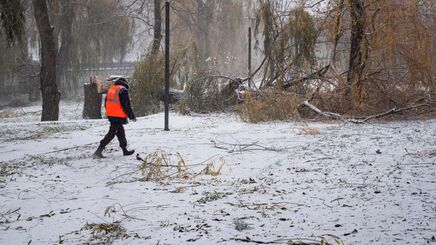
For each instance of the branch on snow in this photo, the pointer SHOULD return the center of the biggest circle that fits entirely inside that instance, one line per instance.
(300, 241)
(340, 117)
(390, 112)
(254, 146)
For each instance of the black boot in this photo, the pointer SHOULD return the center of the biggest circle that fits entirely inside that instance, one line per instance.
(127, 152)
(98, 152)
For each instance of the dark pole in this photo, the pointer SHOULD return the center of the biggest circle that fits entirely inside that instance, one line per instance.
(249, 57)
(167, 64)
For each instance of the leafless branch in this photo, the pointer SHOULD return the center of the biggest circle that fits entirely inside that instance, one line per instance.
(232, 147)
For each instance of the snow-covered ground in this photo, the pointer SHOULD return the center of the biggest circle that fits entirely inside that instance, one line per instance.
(281, 182)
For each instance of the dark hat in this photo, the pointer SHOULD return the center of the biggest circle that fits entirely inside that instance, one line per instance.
(121, 81)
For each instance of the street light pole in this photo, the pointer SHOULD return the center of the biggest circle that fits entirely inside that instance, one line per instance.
(249, 57)
(167, 64)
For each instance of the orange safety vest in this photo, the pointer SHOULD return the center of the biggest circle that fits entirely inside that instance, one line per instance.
(113, 104)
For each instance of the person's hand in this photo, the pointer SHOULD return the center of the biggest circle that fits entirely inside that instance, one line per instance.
(134, 120)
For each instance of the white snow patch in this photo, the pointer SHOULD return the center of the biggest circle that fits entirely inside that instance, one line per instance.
(366, 184)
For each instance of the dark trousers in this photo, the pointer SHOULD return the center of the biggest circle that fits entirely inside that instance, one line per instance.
(118, 130)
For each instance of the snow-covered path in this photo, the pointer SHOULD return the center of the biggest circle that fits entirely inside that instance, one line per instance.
(367, 184)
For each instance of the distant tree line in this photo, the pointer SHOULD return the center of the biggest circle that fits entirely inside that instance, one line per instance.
(353, 57)
(65, 35)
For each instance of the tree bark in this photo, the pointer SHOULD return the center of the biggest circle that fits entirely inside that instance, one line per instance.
(63, 55)
(49, 89)
(92, 104)
(338, 32)
(357, 51)
(203, 17)
(157, 28)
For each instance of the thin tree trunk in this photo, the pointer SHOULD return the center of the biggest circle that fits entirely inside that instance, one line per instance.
(63, 53)
(338, 32)
(357, 53)
(157, 28)
(49, 89)
(203, 17)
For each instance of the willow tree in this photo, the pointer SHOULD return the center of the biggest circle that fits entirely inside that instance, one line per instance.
(88, 33)
(12, 19)
(289, 39)
(402, 53)
(390, 49)
(214, 32)
(12, 22)
(208, 36)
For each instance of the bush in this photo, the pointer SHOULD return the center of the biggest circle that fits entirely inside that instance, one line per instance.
(204, 94)
(147, 86)
(269, 105)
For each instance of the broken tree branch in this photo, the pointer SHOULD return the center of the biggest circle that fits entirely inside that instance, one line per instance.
(322, 113)
(223, 77)
(365, 119)
(391, 111)
(254, 146)
(316, 75)
(299, 241)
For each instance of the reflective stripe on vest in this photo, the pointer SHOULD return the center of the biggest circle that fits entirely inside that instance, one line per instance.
(115, 94)
(113, 104)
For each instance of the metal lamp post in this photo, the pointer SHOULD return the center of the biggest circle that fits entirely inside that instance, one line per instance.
(167, 64)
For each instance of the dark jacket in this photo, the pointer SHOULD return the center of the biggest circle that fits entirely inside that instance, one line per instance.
(125, 103)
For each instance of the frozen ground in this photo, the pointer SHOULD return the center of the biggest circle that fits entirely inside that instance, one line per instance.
(367, 184)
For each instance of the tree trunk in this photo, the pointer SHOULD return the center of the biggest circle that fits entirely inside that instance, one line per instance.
(157, 28)
(203, 17)
(66, 26)
(49, 89)
(338, 32)
(357, 53)
(92, 105)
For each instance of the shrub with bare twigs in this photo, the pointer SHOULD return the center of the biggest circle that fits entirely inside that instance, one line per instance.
(272, 104)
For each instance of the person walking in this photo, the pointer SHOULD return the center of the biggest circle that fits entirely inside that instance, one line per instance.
(118, 111)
